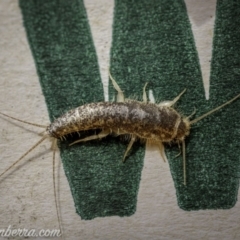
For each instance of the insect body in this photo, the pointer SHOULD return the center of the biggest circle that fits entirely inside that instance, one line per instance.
(143, 120)
(157, 123)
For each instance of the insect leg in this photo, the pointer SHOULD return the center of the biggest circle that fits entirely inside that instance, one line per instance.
(192, 114)
(171, 103)
(144, 93)
(92, 137)
(162, 152)
(133, 139)
(120, 95)
(184, 163)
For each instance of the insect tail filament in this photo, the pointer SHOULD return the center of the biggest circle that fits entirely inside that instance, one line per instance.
(29, 123)
(54, 146)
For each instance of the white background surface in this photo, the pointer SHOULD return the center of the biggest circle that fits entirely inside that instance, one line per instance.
(26, 193)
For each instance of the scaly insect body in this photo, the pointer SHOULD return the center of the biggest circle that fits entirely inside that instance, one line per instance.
(146, 121)
(157, 123)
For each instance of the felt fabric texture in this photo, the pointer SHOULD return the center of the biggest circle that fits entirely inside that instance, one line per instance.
(163, 54)
(66, 60)
(26, 192)
(212, 148)
(153, 42)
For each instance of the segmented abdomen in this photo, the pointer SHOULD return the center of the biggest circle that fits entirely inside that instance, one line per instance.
(146, 120)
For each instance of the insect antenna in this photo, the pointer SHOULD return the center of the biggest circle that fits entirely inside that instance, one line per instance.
(25, 154)
(196, 120)
(214, 110)
(29, 123)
